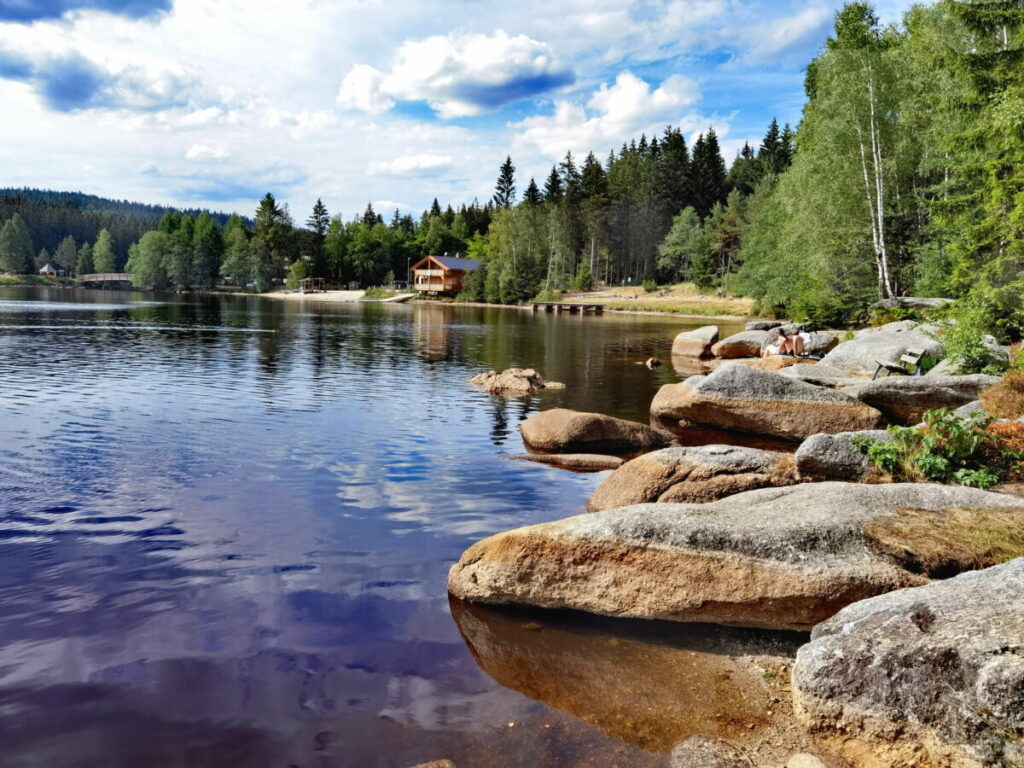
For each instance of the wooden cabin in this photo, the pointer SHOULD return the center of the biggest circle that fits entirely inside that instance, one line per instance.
(48, 270)
(441, 274)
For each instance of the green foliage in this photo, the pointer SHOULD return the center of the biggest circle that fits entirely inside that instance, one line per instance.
(298, 271)
(377, 292)
(968, 347)
(584, 281)
(17, 253)
(650, 286)
(685, 246)
(83, 262)
(945, 449)
(103, 258)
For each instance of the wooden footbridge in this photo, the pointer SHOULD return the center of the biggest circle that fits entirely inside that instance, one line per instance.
(571, 307)
(107, 280)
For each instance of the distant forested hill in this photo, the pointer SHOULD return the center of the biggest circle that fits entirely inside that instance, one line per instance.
(51, 216)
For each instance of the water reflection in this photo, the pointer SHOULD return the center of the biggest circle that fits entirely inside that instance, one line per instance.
(225, 541)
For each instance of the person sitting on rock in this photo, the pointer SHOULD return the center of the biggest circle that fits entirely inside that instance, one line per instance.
(779, 345)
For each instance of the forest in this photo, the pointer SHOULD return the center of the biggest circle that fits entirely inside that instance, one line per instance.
(904, 175)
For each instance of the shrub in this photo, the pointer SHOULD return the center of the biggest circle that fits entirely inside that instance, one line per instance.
(377, 292)
(1005, 400)
(880, 317)
(650, 286)
(945, 449)
(964, 341)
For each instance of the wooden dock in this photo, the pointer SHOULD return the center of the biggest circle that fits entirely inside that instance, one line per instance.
(572, 307)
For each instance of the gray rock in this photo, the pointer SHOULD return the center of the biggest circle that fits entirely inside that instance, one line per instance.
(942, 368)
(834, 457)
(777, 558)
(941, 664)
(821, 375)
(972, 408)
(695, 343)
(911, 302)
(804, 760)
(742, 344)
(702, 752)
(905, 399)
(885, 344)
(739, 397)
(692, 474)
(763, 325)
(560, 430)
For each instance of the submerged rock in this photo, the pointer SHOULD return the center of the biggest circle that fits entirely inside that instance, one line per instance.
(580, 462)
(941, 665)
(777, 558)
(696, 474)
(738, 397)
(825, 457)
(905, 399)
(560, 430)
(742, 344)
(513, 381)
(695, 343)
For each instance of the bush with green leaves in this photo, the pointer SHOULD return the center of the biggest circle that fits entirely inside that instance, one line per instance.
(965, 342)
(946, 448)
(650, 286)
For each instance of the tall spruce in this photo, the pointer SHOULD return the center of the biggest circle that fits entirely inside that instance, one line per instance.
(708, 173)
(17, 253)
(505, 188)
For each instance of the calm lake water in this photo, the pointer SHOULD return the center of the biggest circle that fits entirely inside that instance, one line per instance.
(226, 524)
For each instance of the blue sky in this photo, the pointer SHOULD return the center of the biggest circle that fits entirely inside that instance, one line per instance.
(386, 101)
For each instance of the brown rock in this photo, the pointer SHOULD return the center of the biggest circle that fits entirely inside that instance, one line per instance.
(580, 462)
(695, 343)
(742, 344)
(513, 381)
(776, 558)
(697, 474)
(738, 397)
(560, 430)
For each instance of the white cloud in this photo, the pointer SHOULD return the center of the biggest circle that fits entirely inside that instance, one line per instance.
(203, 152)
(767, 42)
(413, 165)
(614, 113)
(459, 75)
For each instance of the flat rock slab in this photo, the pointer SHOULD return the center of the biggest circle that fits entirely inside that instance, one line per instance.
(825, 457)
(905, 399)
(776, 558)
(695, 343)
(763, 325)
(513, 381)
(941, 665)
(886, 344)
(695, 474)
(560, 430)
(738, 397)
(822, 375)
(580, 462)
(742, 344)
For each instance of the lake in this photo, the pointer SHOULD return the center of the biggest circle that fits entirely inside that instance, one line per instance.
(226, 525)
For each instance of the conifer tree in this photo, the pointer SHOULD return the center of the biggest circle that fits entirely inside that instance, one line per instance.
(66, 254)
(708, 173)
(553, 187)
(319, 219)
(505, 188)
(103, 253)
(17, 253)
(42, 259)
(532, 196)
(83, 263)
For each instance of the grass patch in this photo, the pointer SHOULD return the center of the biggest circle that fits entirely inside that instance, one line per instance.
(378, 292)
(680, 307)
(949, 541)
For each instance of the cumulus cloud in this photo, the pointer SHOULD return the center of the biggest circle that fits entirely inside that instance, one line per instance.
(614, 113)
(413, 165)
(35, 10)
(458, 75)
(203, 152)
(774, 39)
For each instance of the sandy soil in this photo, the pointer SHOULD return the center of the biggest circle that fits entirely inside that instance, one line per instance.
(330, 297)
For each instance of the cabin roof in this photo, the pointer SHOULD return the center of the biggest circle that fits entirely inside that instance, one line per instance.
(47, 268)
(451, 262)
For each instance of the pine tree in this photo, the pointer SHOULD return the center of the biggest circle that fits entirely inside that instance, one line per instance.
(505, 188)
(66, 254)
(207, 251)
(746, 171)
(553, 187)
(708, 173)
(435, 208)
(532, 196)
(319, 219)
(103, 253)
(771, 153)
(17, 254)
(42, 259)
(83, 264)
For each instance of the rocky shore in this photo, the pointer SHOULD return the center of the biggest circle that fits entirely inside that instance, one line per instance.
(912, 592)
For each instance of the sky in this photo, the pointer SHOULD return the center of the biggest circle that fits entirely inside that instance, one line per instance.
(390, 102)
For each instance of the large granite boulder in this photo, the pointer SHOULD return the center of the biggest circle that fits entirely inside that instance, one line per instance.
(777, 558)
(737, 397)
(763, 325)
(905, 399)
(941, 665)
(884, 344)
(911, 302)
(560, 430)
(825, 457)
(695, 343)
(822, 375)
(742, 344)
(694, 474)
